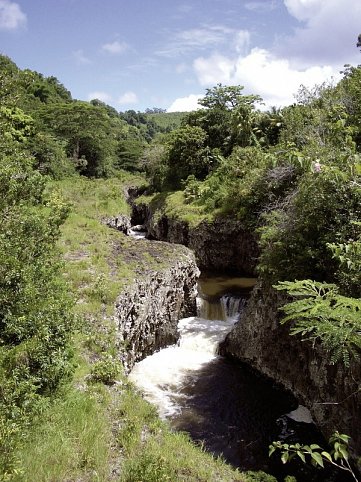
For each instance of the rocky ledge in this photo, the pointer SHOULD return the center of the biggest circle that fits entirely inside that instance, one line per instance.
(331, 392)
(148, 311)
(222, 245)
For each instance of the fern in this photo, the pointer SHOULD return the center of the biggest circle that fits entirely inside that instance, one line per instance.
(322, 314)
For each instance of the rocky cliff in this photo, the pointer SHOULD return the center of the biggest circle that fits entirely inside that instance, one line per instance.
(148, 311)
(331, 392)
(220, 245)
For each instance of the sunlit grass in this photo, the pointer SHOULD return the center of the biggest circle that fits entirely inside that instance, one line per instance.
(153, 453)
(173, 205)
(73, 439)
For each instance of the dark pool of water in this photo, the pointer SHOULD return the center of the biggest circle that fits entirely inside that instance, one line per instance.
(236, 413)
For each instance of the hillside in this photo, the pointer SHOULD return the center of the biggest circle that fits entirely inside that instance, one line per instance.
(167, 121)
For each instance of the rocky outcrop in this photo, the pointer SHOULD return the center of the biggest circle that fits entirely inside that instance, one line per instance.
(148, 311)
(331, 392)
(220, 245)
(121, 223)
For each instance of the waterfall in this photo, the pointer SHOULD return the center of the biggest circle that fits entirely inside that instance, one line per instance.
(227, 307)
(161, 375)
(229, 408)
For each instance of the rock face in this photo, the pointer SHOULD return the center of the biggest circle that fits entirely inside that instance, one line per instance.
(221, 245)
(147, 312)
(331, 392)
(120, 222)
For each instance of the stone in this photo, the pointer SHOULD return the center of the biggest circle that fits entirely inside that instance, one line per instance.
(121, 222)
(330, 392)
(147, 312)
(222, 245)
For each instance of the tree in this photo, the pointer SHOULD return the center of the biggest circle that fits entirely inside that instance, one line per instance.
(224, 117)
(227, 97)
(35, 309)
(129, 152)
(186, 155)
(88, 131)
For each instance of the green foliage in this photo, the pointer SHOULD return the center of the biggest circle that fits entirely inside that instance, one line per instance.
(321, 210)
(50, 156)
(167, 121)
(349, 257)
(322, 314)
(237, 184)
(87, 131)
(19, 125)
(227, 97)
(35, 308)
(338, 455)
(106, 370)
(129, 152)
(186, 155)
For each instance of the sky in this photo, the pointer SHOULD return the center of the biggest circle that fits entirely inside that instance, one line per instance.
(138, 54)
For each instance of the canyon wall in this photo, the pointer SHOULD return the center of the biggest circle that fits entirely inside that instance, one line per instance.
(331, 392)
(221, 245)
(148, 311)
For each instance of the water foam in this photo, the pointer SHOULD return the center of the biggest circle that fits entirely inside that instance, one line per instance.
(161, 375)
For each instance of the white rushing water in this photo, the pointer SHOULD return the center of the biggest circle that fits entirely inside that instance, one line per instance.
(137, 232)
(162, 375)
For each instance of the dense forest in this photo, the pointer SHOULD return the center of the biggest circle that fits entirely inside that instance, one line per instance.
(291, 175)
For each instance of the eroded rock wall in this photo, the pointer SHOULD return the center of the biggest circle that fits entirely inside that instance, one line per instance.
(148, 311)
(220, 245)
(331, 392)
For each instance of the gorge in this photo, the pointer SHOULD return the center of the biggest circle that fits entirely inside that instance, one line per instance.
(272, 371)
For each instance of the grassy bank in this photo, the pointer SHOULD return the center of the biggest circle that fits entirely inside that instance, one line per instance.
(99, 428)
(173, 205)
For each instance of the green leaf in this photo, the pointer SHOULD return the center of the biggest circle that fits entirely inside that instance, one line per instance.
(317, 458)
(343, 451)
(271, 450)
(285, 457)
(344, 437)
(327, 456)
(301, 456)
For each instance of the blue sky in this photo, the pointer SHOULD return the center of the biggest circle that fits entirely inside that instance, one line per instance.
(135, 54)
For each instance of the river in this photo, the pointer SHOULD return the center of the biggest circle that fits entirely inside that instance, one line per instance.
(225, 406)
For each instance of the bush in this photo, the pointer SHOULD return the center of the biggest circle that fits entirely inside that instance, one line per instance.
(321, 210)
(106, 370)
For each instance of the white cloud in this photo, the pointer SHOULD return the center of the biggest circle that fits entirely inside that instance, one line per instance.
(187, 41)
(115, 47)
(305, 9)
(328, 33)
(214, 69)
(261, 6)
(261, 73)
(80, 58)
(102, 96)
(185, 104)
(11, 15)
(128, 98)
(316, 51)
(242, 41)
